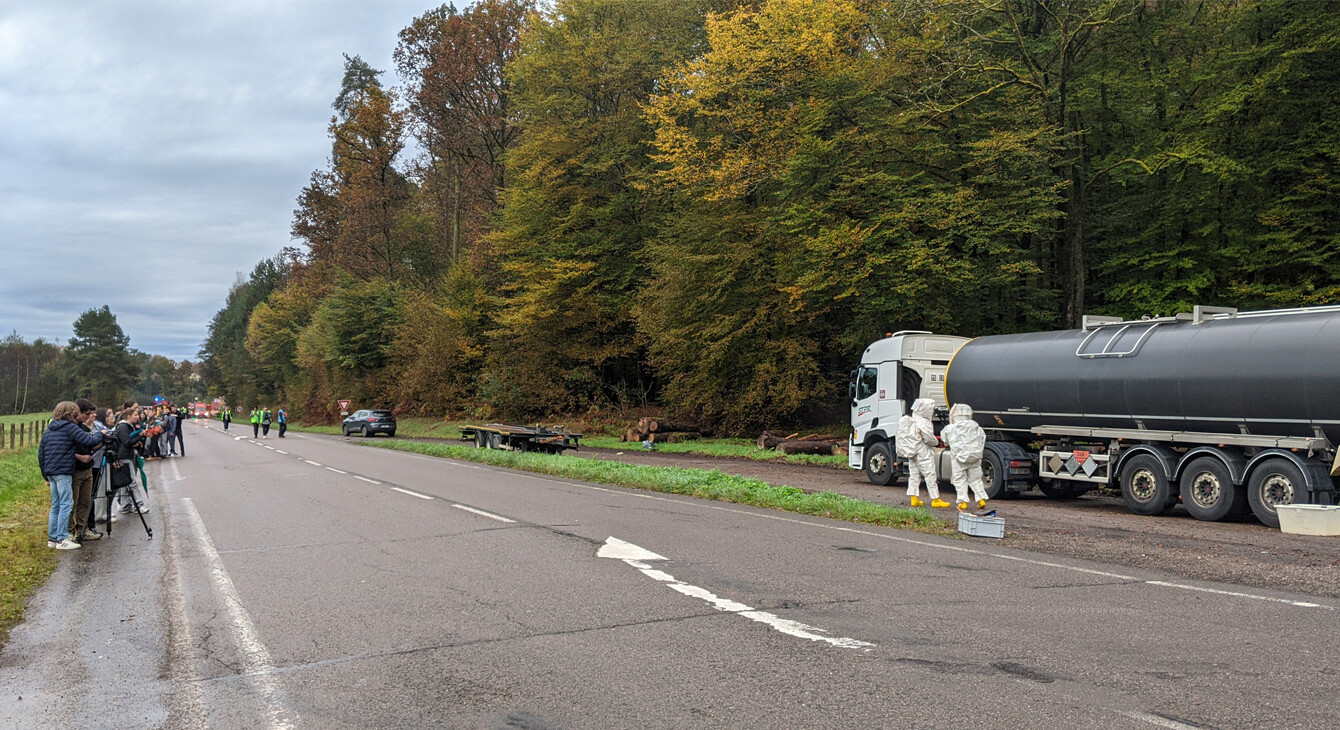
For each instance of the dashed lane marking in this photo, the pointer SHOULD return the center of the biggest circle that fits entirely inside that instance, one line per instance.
(277, 451)
(482, 513)
(412, 494)
(313, 463)
(337, 471)
(369, 481)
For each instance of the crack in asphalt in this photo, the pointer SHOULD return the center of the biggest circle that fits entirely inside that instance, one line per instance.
(462, 644)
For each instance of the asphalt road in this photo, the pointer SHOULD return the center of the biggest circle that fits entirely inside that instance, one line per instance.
(310, 582)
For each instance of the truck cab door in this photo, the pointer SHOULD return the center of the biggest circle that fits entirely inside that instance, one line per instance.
(864, 392)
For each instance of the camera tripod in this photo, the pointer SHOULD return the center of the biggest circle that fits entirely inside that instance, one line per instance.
(111, 492)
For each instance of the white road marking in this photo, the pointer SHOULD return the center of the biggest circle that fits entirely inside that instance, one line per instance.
(618, 549)
(313, 463)
(412, 494)
(238, 438)
(482, 513)
(1159, 721)
(176, 473)
(277, 451)
(271, 448)
(926, 543)
(337, 471)
(255, 657)
(369, 481)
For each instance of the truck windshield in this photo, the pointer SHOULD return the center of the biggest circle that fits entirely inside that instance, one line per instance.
(866, 383)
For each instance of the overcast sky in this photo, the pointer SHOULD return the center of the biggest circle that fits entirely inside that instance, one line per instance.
(151, 150)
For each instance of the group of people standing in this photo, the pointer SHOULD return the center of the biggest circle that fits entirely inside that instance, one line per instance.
(82, 444)
(261, 420)
(915, 439)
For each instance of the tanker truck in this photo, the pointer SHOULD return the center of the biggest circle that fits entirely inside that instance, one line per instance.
(1224, 411)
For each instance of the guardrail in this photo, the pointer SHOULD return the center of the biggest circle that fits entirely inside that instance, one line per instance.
(22, 435)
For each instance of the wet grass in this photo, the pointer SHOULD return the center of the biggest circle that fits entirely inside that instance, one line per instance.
(722, 448)
(25, 560)
(701, 483)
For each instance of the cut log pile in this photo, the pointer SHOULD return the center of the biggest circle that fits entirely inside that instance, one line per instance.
(796, 444)
(663, 432)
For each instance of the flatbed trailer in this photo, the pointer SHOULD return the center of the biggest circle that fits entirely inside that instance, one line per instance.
(535, 438)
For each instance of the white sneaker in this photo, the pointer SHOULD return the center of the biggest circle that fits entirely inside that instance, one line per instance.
(144, 509)
(51, 543)
(68, 544)
(114, 518)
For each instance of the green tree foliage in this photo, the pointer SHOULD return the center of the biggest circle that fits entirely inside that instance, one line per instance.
(98, 359)
(32, 375)
(574, 220)
(714, 205)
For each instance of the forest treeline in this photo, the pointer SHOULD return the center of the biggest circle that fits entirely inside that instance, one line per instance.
(713, 205)
(96, 363)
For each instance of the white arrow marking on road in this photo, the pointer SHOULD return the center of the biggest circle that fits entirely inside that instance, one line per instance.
(634, 555)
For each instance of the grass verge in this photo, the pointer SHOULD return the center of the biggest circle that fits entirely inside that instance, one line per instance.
(25, 417)
(728, 448)
(25, 561)
(702, 483)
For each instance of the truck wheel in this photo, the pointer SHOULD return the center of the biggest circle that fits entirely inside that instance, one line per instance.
(993, 476)
(481, 440)
(1208, 492)
(1275, 482)
(879, 464)
(1144, 486)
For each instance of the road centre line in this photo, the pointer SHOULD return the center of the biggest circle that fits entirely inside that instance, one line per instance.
(1159, 721)
(277, 451)
(313, 463)
(255, 657)
(482, 513)
(337, 471)
(369, 481)
(412, 494)
(925, 543)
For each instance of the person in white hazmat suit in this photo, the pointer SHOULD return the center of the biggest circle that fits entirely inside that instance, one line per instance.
(966, 441)
(914, 438)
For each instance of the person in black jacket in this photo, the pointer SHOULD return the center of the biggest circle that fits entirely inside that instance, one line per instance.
(129, 436)
(55, 456)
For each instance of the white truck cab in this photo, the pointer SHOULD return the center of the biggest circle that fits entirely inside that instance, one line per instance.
(894, 372)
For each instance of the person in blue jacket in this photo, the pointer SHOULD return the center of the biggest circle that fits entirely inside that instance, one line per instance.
(55, 456)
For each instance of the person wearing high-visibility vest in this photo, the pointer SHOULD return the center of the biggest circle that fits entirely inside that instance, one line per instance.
(255, 423)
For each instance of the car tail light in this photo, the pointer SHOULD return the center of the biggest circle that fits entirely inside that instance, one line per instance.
(372, 419)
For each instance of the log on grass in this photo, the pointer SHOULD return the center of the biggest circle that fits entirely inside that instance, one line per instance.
(796, 446)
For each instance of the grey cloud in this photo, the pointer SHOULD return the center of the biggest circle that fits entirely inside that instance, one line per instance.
(152, 150)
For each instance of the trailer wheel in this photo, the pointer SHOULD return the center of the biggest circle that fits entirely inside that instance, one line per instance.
(495, 441)
(481, 440)
(1144, 486)
(1208, 491)
(1275, 482)
(879, 464)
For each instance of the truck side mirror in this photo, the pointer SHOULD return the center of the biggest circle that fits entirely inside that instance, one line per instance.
(851, 391)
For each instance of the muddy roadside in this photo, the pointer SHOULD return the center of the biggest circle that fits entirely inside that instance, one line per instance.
(1092, 527)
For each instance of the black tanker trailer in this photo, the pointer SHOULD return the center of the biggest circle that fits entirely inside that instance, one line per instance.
(1227, 411)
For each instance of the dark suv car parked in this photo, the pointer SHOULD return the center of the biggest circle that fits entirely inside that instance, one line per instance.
(369, 423)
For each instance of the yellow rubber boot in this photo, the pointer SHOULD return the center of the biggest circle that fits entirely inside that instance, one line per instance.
(916, 501)
(962, 506)
(939, 503)
(981, 504)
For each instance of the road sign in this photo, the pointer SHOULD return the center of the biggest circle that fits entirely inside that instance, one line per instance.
(239, 409)
(344, 405)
